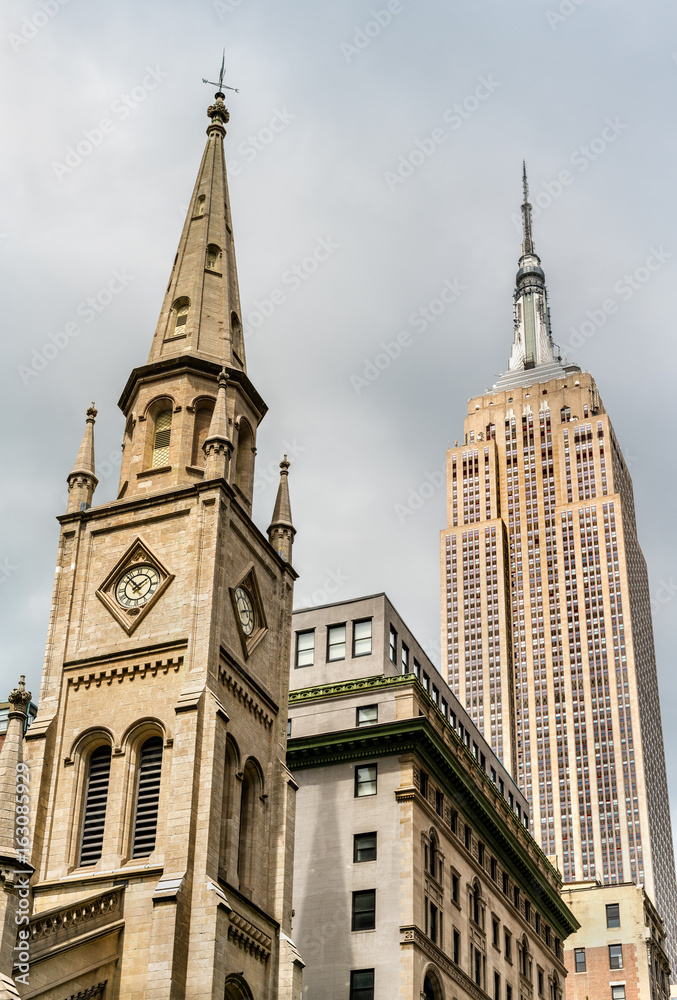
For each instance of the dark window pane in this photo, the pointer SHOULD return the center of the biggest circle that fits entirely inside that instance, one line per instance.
(364, 910)
(364, 847)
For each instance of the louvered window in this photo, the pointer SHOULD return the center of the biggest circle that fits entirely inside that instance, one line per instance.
(147, 797)
(95, 806)
(163, 430)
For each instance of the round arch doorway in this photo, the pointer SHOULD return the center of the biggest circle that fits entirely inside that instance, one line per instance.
(237, 989)
(432, 989)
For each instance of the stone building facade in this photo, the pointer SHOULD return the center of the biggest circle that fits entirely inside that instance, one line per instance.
(416, 875)
(162, 808)
(618, 952)
(546, 618)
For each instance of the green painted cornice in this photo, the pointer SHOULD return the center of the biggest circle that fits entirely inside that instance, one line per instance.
(472, 792)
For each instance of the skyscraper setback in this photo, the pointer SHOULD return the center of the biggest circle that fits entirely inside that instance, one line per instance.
(546, 611)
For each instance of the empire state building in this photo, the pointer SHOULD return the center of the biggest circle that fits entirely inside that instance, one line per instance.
(546, 613)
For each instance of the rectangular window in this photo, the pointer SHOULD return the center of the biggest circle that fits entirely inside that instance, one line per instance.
(454, 887)
(508, 992)
(478, 966)
(288, 727)
(439, 803)
(480, 854)
(468, 837)
(364, 847)
(496, 932)
(516, 897)
(508, 946)
(613, 915)
(362, 637)
(618, 993)
(393, 645)
(494, 868)
(457, 947)
(305, 648)
(336, 642)
(426, 682)
(527, 911)
(540, 982)
(497, 986)
(433, 923)
(615, 956)
(365, 780)
(505, 883)
(424, 784)
(364, 910)
(579, 959)
(405, 658)
(367, 715)
(417, 668)
(452, 820)
(362, 984)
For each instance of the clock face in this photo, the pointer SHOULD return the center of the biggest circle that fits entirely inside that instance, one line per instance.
(137, 586)
(245, 609)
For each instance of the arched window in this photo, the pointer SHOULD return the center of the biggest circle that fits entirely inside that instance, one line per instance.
(236, 336)
(180, 310)
(433, 854)
(147, 798)
(228, 817)
(249, 821)
(476, 908)
(432, 989)
(203, 419)
(96, 799)
(213, 257)
(200, 207)
(244, 465)
(162, 433)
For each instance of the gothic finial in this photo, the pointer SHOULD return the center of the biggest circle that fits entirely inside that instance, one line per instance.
(528, 246)
(218, 112)
(20, 698)
(284, 467)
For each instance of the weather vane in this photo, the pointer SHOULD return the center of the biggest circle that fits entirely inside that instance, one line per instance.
(221, 84)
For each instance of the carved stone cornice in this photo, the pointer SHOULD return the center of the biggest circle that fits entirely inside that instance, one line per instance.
(240, 690)
(120, 674)
(412, 935)
(248, 937)
(74, 917)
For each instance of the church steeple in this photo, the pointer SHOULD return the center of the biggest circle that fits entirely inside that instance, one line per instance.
(533, 346)
(201, 311)
(169, 402)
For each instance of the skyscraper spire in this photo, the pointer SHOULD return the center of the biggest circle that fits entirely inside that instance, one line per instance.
(528, 244)
(533, 346)
(201, 311)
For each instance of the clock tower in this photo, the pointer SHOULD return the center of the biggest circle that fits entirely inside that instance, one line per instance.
(163, 811)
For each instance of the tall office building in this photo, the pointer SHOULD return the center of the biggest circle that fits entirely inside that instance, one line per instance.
(546, 614)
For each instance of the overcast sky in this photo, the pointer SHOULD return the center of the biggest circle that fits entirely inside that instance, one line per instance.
(394, 132)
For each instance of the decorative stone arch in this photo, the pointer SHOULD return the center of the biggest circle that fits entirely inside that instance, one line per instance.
(237, 988)
(156, 409)
(178, 317)
(477, 902)
(230, 808)
(142, 729)
(432, 986)
(433, 856)
(244, 459)
(134, 739)
(213, 257)
(87, 741)
(203, 408)
(251, 825)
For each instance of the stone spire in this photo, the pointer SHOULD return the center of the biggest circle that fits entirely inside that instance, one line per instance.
(533, 346)
(217, 446)
(201, 312)
(82, 480)
(281, 530)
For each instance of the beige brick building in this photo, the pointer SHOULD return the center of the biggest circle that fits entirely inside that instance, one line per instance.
(546, 619)
(415, 874)
(618, 952)
(162, 808)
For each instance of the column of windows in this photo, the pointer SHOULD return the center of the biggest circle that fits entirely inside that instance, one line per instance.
(602, 459)
(451, 568)
(493, 640)
(472, 616)
(578, 696)
(585, 462)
